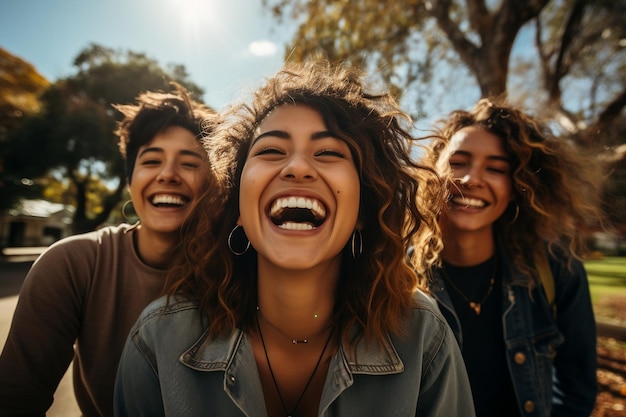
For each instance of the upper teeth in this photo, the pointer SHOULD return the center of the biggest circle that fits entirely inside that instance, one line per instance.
(298, 202)
(469, 202)
(167, 199)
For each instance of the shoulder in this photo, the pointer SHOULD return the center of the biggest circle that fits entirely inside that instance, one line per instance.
(166, 314)
(427, 334)
(90, 240)
(82, 254)
(426, 316)
(425, 304)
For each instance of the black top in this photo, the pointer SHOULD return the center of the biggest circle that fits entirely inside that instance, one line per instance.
(483, 338)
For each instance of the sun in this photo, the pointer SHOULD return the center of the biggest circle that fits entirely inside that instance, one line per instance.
(195, 16)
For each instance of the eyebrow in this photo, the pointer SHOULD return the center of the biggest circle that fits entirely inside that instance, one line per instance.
(490, 157)
(281, 134)
(186, 152)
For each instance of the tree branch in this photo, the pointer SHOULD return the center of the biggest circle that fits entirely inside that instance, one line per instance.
(467, 50)
(572, 29)
(613, 110)
(479, 17)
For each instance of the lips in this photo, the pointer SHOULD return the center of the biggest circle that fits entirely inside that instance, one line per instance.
(297, 213)
(168, 200)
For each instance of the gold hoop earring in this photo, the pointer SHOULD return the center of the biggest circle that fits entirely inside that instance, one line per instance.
(357, 247)
(126, 216)
(230, 245)
(515, 216)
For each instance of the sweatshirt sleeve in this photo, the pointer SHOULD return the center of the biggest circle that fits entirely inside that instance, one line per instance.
(46, 322)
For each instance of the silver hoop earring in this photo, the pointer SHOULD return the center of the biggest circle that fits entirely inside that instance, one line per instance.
(356, 246)
(126, 216)
(230, 244)
(515, 216)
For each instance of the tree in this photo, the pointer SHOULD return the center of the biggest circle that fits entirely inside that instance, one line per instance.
(72, 135)
(573, 73)
(406, 42)
(20, 87)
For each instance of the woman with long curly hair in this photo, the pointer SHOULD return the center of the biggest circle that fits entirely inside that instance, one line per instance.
(296, 298)
(511, 284)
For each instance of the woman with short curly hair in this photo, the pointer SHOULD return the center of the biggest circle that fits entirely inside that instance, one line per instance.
(518, 200)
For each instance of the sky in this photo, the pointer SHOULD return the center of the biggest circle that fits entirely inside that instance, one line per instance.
(226, 46)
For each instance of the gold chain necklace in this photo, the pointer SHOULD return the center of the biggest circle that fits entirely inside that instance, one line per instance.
(472, 304)
(269, 365)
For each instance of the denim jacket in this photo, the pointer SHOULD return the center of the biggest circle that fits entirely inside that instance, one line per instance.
(170, 367)
(552, 360)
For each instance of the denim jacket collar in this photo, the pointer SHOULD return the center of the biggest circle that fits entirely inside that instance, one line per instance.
(233, 356)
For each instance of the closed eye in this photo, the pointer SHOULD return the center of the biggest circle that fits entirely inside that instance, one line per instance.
(331, 152)
(191, 165)
(269, 151)
(151, 162)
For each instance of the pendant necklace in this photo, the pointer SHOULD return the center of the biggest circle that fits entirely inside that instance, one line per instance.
(476, 306)
(269, 365)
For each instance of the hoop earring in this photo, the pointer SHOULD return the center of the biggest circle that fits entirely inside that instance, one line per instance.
(357, 247)
(126, 216)
(230, 244)
(514, 217)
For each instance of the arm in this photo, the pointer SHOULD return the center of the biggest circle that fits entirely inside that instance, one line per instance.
(575, 364)
(45, 325)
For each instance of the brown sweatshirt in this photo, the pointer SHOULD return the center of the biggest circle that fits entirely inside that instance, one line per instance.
(78, 302)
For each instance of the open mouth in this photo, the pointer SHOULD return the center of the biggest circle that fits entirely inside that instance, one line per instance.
(297, 213)
(168, 200)
(467, 202)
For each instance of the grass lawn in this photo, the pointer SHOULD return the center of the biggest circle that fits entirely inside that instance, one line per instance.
(607, 283)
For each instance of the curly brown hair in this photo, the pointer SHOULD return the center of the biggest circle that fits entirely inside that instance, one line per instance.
(398, 208)
(555, 186)
(153, 112)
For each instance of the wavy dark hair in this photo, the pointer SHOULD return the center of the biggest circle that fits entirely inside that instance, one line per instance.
(153, 112)
(555, 186)
(398, 208)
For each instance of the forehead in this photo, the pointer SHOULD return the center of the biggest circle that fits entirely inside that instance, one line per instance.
(475, 140)
(290, 116)
(174, 137)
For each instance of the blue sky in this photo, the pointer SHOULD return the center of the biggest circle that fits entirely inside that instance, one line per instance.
(227, 46)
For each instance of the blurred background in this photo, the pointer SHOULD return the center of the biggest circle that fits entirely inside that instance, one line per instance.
(64, 62)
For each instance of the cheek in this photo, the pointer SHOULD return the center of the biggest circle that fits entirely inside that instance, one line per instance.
(505, 189)
(348, 190)
(198, 182)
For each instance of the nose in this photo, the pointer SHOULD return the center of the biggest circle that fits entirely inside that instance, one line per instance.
(471, 180)
(298, 167)
(168, 175)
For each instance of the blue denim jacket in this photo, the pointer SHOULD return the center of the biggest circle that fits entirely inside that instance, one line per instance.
(552, 361)
(169, 367)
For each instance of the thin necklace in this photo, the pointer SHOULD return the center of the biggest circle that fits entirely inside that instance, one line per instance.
(294, 340)
(473, 305)
(269, 365)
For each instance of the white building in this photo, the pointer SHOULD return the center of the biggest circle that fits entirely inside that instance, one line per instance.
(34, 223)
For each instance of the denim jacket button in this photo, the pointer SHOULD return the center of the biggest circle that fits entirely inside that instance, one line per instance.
(232, 379)
(529, 406)
(520, 358)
